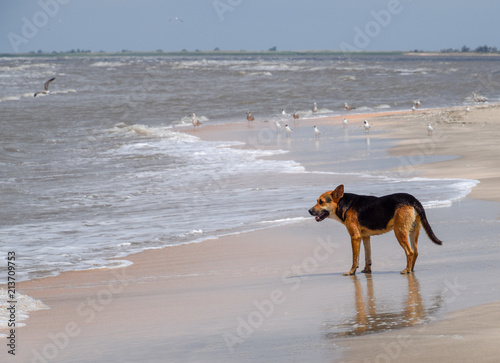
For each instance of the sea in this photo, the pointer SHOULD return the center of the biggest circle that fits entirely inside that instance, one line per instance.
(101, 167)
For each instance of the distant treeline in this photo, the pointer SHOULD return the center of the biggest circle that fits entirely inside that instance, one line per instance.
(466, 49)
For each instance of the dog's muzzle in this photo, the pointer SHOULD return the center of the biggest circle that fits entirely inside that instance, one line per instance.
(320, 215)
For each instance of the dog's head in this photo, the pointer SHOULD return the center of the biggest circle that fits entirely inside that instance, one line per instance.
(327, 204)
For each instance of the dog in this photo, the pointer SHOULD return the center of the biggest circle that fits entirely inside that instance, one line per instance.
(365, 216)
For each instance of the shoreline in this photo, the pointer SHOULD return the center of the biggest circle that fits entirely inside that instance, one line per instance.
(83, 303)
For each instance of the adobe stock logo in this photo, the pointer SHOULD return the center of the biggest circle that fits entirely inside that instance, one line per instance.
(31, 27)
(372, 29)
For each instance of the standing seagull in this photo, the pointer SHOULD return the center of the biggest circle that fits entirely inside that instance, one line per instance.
(316, 132)
(366, 126)
(348, 108)
(417, 103)
(45, 88)
(288, 130)
(345, 122)
(315, 108)
(195, 121)
(430, 129)
(250, 116)
(278, 126)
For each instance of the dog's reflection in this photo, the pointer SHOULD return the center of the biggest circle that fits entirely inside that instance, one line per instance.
(372, 317)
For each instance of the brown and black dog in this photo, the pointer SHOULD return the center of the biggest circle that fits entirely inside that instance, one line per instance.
(366, 216)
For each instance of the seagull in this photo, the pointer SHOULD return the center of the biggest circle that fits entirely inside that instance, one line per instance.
(413, 108)
(366, 126)
(177, 19)
(250, 116)
(278, 126)
(295, 115)
(348, 108)
(288, 130)
(283, 112)
(417, 103)
(429, 129)
(195, 121)
(479, 98)
(467, 109)
(315, 108)
(316, 132)
(45, 87)
(345, 122)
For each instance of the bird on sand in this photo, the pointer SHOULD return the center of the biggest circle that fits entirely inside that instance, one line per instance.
(316, 131)
(250, 116)
(366, 126)
(45, 88)
(295, 115)
(345, 122)
(417, 103)
(288, 130)
(195, 121)
(430, 129)
(277, 125)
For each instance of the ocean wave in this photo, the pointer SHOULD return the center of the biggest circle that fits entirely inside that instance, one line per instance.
(108, 64)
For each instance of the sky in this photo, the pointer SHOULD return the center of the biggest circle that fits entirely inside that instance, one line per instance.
(251, 25)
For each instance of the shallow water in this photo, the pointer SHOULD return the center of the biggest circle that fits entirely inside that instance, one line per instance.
(96, 170)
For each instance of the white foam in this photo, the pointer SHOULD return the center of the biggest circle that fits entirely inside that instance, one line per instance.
(24, 305)
(107, 64)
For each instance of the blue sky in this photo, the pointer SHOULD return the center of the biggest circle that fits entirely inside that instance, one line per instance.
(144, 25)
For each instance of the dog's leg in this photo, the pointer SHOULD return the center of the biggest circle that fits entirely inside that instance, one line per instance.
(414, 240)
(356, 244)
(403, 221)
(368, 255)
(402, 237)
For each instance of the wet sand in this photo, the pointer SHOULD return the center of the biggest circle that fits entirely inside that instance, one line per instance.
(279, 295)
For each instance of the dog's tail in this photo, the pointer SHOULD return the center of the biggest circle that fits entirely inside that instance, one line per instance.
(425, 223)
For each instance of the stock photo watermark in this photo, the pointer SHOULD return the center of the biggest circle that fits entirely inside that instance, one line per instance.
(30, 26)
(292, 279)
(395, 351)
(223, 6)
(379, 20)
(86, 311)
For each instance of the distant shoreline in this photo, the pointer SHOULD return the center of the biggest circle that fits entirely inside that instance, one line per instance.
(252, 53)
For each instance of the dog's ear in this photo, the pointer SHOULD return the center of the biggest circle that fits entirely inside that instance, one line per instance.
(338, 192)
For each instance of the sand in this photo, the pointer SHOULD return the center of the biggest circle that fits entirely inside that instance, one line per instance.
(279, 295)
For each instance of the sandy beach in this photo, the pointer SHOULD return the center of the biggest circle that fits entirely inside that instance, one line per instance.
(278, 294)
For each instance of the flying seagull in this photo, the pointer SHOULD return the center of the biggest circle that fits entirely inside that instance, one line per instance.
(177, 19)
(45, 88)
